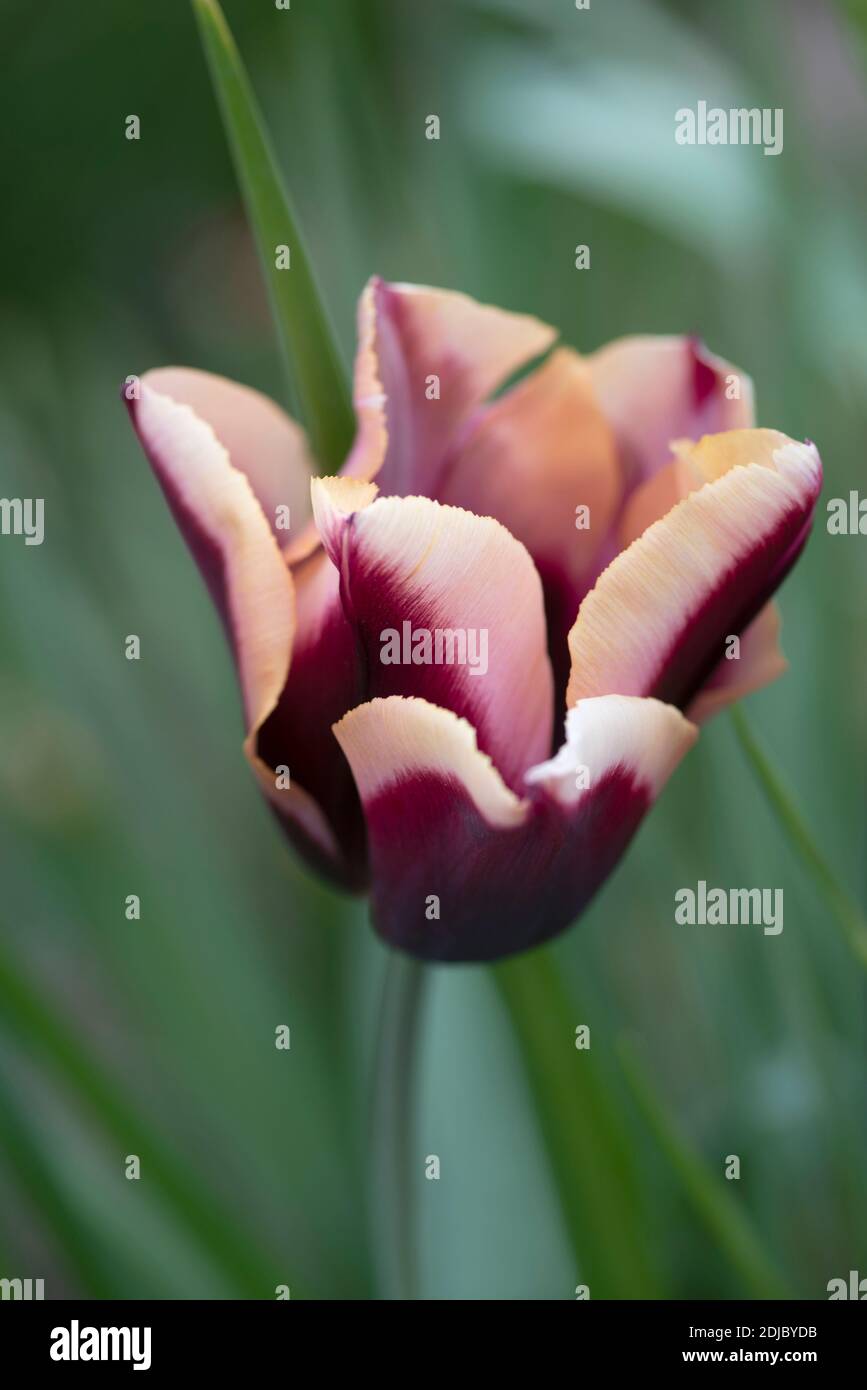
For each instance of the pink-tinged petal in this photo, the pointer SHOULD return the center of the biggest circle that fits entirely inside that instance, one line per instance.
(465, 870)
(368, 396)
(261, 440)
(446, 605)
(654, 390)
(427, 359)
(657, 620)
(533, 458)
(228, 534)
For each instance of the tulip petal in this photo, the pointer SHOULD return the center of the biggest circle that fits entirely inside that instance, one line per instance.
(656, 389)
(371, 440)
(368, 396)
(325, 680)
(533, 458)
(226, 529)
(760, 662)
(392, 738)
(656, 496)
(657, 620)
(262, 441)
(463, 869)
(427, 359)
(228, 534)
(609, 733)
(446, 605)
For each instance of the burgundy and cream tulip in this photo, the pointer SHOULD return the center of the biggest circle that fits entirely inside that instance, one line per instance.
(450, 788)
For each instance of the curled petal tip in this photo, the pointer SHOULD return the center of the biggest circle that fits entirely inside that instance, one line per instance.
(644, 735)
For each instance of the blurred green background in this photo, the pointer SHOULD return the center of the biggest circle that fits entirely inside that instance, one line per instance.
(156, 1037)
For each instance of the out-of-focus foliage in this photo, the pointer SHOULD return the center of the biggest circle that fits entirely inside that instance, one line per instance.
(121, 778)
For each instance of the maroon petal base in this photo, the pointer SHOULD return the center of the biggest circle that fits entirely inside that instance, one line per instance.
(463, 870)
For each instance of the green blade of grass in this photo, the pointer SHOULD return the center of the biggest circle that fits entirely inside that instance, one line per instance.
(39, 1029)
(844, 910)
(93, 1260)
(721, 1214)
(317, 379)
(587, 1146)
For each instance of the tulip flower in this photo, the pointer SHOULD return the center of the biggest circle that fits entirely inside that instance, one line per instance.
(613, 526)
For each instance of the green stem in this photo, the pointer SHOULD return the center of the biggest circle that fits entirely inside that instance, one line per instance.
(395, 1159)
(844, 910)
(40, 1030)
(317, 378)
(588, 1149)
